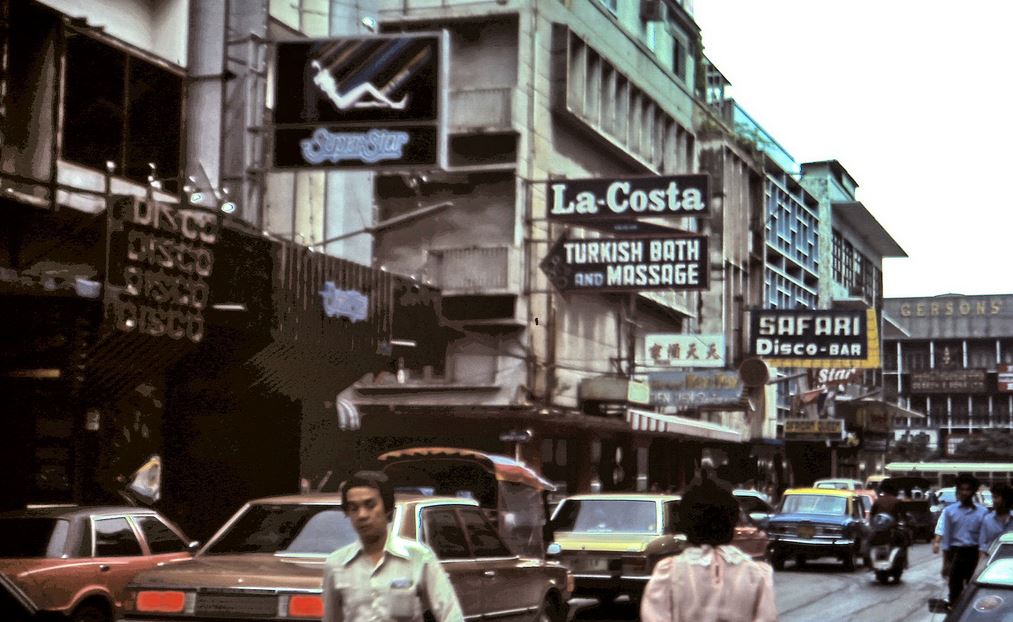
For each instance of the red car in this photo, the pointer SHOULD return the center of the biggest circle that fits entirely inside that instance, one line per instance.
(76, 561)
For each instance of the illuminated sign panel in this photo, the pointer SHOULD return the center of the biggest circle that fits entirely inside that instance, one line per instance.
(361, 102)
(829, 338)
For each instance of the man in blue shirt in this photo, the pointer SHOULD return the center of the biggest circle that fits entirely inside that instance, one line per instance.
(999, 520)
(961, 535)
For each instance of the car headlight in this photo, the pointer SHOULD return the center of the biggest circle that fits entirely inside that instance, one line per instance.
(832, 531)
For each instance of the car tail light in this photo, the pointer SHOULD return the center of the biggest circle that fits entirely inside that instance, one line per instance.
(161, 601)
(305, 606)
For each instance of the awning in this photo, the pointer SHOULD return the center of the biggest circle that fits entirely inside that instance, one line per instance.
(647, 421)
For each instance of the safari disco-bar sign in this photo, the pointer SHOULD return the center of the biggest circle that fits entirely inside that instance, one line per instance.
(361, 102)
(830, 338)
(588, 200)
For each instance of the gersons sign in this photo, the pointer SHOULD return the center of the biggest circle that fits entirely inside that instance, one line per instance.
(816, 338)
(159, 260)
(631, 264)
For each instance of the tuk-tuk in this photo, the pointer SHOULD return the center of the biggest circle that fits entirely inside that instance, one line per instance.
(913, 492)
(514, 496)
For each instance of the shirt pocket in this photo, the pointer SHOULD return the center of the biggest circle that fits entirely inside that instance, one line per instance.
(403, 603)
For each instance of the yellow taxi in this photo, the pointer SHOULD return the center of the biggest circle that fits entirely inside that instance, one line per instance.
(817, 522)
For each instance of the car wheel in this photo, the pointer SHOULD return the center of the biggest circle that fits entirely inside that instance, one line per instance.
(90, 613)
(777, 560)
(851, 561)
(606, 599)
(551, 611)
(800, 562)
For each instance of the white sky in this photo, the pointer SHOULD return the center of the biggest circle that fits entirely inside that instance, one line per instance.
(913, 98)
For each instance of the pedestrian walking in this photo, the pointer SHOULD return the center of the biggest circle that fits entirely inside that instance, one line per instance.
(961, 530)
(711, 580)
(382, 577)
(999, 520)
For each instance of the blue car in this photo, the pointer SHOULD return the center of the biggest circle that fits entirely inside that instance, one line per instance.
(817, 522)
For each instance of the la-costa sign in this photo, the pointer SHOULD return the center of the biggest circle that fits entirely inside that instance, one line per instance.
(582, 200)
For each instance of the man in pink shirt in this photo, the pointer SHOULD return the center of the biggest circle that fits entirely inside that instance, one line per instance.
(711, 581)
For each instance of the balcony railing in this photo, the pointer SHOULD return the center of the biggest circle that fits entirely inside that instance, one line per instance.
(476, 270)
(486, 109)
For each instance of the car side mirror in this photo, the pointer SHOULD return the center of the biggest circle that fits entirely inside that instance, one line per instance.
(553, 550)
(938, 605)
(760, 519)
(193, 546)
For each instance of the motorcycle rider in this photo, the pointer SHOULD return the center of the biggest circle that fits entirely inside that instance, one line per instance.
(886, 503)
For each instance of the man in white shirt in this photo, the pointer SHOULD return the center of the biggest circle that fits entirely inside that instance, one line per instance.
(382, 577)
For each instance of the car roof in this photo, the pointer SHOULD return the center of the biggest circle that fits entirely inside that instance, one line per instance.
(834, 492)
(75, 511)
(334, 498)
(626, 496)
(1006, 538)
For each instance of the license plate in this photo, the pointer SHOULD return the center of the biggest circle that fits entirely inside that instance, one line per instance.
(806, 531)
(592, 564)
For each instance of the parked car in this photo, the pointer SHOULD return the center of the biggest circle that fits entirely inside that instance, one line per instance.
(611, 542)
(753, 502)
(1002, 548)
(267, 561)
(839, 484)
(75, 562)
(987, 598)
(817, 522)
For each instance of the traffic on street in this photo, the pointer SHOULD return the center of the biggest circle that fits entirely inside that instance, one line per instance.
(823, 591)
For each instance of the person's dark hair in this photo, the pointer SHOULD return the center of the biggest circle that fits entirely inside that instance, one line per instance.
(967, 478)
(708, 513)
(1005, 491)
(888, 487)
(370, 479)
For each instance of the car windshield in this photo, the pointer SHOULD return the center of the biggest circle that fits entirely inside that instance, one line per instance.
(814, 504)
(947, 495)
(33, 537)
(607, 516)
(286, 529)
(750, 504)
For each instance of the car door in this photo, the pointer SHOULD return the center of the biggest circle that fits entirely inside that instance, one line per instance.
(116, 551)
(511, 588)
(164, 544)
(442, 531)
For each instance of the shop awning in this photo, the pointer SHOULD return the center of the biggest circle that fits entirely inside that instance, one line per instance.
(647, 421)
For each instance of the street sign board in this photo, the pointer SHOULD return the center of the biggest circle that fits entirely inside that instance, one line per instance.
(679, 350)
(948, 381)
(803, 429)
(1005, 378)
(688, 389)
(669, 262)
(593, 200)
(831, 338)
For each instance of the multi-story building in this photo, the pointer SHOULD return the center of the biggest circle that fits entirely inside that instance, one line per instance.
(946, 359)
(543, 91)
(161, 319)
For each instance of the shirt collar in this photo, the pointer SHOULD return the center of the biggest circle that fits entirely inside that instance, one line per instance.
(394, 546)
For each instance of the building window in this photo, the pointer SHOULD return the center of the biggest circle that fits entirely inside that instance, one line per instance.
(679, 58)
(122, 109)
(612, 6)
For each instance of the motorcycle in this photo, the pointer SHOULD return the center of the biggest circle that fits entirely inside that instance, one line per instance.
(888, 543)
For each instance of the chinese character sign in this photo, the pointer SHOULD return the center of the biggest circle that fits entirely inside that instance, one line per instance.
(678, 350)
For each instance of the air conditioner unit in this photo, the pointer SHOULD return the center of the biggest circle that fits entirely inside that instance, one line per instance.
(652, 10)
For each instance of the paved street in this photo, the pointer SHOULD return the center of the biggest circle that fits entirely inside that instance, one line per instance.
(823, 591)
